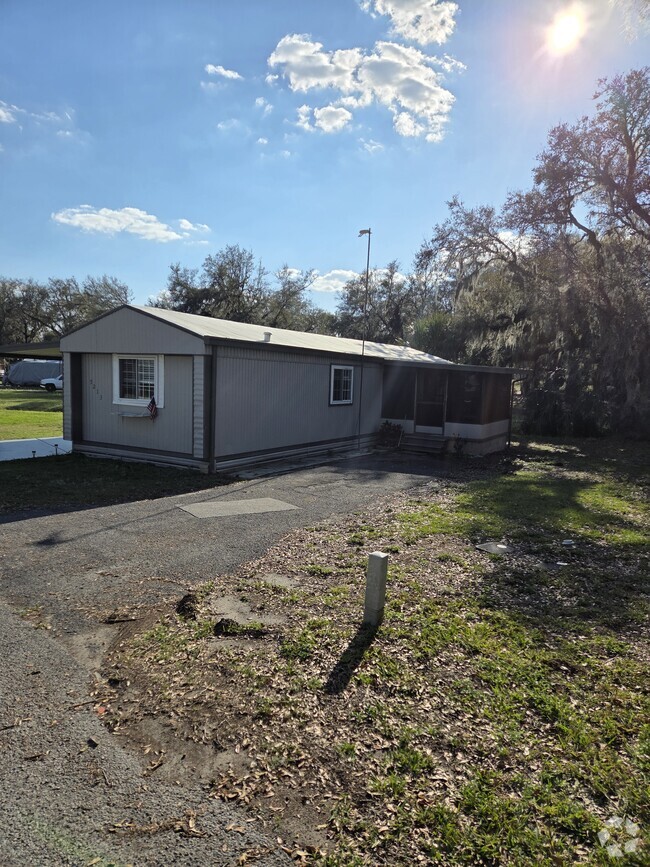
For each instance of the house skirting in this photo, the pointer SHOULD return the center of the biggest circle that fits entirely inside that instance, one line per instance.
(229, 463)
(163, 459)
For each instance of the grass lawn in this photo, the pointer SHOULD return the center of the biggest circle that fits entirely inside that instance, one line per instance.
(499, 716)
(73, 481)
(28, 414)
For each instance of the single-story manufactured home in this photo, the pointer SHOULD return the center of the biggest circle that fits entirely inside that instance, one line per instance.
(148, 384)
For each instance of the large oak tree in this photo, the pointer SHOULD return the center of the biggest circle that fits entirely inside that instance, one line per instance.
(558, 279)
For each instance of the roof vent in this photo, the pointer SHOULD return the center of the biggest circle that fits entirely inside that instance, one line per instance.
(267, 337)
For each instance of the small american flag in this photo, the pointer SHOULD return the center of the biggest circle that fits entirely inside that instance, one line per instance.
(153, 409)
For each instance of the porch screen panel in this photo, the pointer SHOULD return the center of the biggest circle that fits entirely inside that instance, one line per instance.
(430, 398)
(398, 393)
(464, 398)
(496, 399)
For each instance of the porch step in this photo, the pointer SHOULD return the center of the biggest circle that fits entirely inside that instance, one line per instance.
(423, 443)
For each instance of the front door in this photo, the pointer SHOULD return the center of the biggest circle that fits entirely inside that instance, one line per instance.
(430, 401)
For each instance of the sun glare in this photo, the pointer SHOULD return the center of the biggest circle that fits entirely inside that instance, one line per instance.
(566, 31)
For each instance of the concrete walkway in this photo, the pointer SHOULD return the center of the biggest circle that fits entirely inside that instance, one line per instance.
(15, 450)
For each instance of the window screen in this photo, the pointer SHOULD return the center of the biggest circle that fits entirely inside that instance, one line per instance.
(341, 384)
(137, 378)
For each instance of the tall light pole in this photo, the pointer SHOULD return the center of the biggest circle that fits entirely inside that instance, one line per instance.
(367, 232)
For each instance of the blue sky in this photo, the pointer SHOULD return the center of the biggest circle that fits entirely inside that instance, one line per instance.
(138, 134)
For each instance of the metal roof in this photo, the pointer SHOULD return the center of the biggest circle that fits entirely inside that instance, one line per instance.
(217, 330)
(48, 350)
(223, 329)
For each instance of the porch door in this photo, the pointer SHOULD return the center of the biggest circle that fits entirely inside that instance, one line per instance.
(430, 401)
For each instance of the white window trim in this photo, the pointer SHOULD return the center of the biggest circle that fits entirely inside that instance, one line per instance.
(159, 380)
(333, 368)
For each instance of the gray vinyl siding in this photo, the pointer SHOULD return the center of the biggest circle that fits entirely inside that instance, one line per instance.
(267, 400)
(67, 398)
(129, 331)
(101, 419)
(198, 406)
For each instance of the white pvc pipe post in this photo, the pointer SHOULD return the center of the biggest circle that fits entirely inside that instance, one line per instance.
(375, 588)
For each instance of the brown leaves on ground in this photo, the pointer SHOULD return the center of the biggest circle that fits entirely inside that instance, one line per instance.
(342, 740)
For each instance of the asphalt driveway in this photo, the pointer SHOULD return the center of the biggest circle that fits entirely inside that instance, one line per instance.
(70, 793)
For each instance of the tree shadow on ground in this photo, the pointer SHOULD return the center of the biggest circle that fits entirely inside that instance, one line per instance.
(594, 500)
(593, 588)
(70, 483)
(546, 508)
(626, 460)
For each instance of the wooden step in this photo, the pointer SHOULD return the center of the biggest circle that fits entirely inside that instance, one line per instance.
(423, 443)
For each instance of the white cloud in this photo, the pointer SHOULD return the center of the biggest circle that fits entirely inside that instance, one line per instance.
(230, 124)
(262, 141)
(406, 125)
(186, 226)
(421, 21)
(399, 77)
(11, 113)
(522, 244)
(383, 272)
(63, 125)
(332, 119)
(291, 273)
(448, 64)
(306, 65)
(211, 69)
(333, 281)
(304, 118)
(271, 79)
(329, 119)
(8, 112)
(133, 221)
(273, 155)
(371, 146)
(52, 117)
(263, 104)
